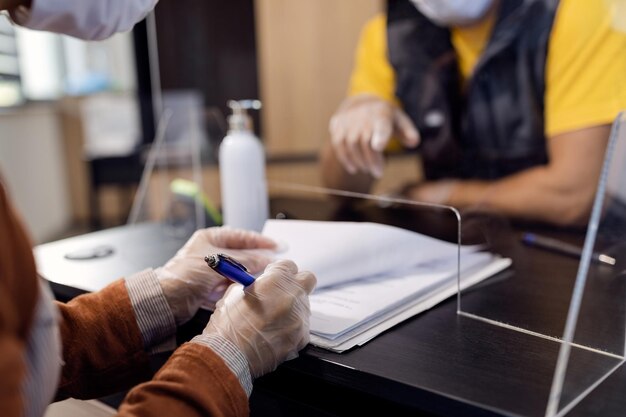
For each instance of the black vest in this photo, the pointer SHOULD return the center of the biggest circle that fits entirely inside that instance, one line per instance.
(496, 126)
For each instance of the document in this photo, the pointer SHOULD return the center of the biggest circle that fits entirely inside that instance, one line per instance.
(338, 252)
(373, 276)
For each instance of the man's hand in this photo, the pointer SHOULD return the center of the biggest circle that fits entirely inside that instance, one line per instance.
(361, 129)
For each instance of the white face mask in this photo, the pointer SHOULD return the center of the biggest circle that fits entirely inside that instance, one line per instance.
(84, 19)
(453, 12)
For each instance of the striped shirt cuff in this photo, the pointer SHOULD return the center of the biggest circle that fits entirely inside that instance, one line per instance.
(154, 316)
(231, 354)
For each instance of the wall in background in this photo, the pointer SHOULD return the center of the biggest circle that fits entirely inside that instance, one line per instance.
(306, 51)
(296, 55)
(32, 163)
(208, 47)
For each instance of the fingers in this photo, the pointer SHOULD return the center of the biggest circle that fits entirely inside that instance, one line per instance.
(269, 320)
(381, 134)
(283, 267)
(307, 280)
(407, 131)
(351, 141)
(360, 132)
(356, 137)
(227, 238)
(337, 138)
(284, 274)
(373, 160)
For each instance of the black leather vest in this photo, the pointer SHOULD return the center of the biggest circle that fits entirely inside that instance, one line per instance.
(495, 126)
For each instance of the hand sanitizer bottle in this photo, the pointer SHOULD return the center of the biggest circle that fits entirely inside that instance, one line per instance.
(242, 171)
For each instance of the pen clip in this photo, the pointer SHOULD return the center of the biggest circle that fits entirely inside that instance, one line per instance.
(224, 257)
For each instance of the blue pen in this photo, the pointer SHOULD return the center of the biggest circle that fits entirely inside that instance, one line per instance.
(229, 268)
(564, 248)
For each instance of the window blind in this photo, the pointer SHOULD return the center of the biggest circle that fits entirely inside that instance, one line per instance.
(10, 86)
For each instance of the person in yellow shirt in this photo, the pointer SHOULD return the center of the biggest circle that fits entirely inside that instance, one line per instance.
(510, 102)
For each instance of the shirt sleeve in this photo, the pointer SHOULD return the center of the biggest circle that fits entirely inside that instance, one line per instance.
(157, 326)
(586, 66)
(372, 72)
(102, 344)
(154, 316)
(234, 358)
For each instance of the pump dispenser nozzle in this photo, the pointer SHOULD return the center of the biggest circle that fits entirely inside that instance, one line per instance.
(240, 120)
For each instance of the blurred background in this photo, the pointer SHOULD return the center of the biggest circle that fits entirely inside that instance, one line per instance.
(77, 117)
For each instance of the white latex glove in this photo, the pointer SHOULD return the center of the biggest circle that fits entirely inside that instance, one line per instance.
(361, 129)
(89, 20)
(188, 283)
(268, 320)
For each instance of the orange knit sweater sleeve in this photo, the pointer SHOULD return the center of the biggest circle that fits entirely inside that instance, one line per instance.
(102, 346)
(103, 353)
(18, 295)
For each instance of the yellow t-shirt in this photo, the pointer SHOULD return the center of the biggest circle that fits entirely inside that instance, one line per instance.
(585, 69)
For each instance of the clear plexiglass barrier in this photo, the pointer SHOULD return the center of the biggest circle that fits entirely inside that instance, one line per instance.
(170, 203)
(396, 258)
(378, 261)
(564, 316)
(594, 337)
(565, 302)
(171, 189)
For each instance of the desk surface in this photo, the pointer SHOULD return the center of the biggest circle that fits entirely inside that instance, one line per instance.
(442, 363)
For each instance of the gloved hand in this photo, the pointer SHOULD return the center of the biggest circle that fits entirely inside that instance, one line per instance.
(268, 320)
(361, 129)
(188, 283)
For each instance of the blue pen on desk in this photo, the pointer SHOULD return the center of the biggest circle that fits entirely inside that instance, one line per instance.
(229, 268)
(564, 248)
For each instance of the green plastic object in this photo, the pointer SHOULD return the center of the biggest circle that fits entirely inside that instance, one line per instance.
(189, 189)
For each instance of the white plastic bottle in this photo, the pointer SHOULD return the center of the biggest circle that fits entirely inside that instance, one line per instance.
(242, 171)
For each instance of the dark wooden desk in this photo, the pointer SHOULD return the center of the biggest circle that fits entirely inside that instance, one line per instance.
(440, 363)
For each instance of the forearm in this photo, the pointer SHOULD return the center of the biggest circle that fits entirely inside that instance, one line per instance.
(102, 344)
(194, 382)
(560, 192)
(532, 194)
(107, 336)
(157, 325)
(336, 177)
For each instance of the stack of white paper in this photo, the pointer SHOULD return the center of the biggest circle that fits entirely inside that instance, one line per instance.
(372, 276)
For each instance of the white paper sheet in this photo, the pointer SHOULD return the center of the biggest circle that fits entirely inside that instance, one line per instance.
(373, 276)
(369, 330)
(338, 309)
(338, 252)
